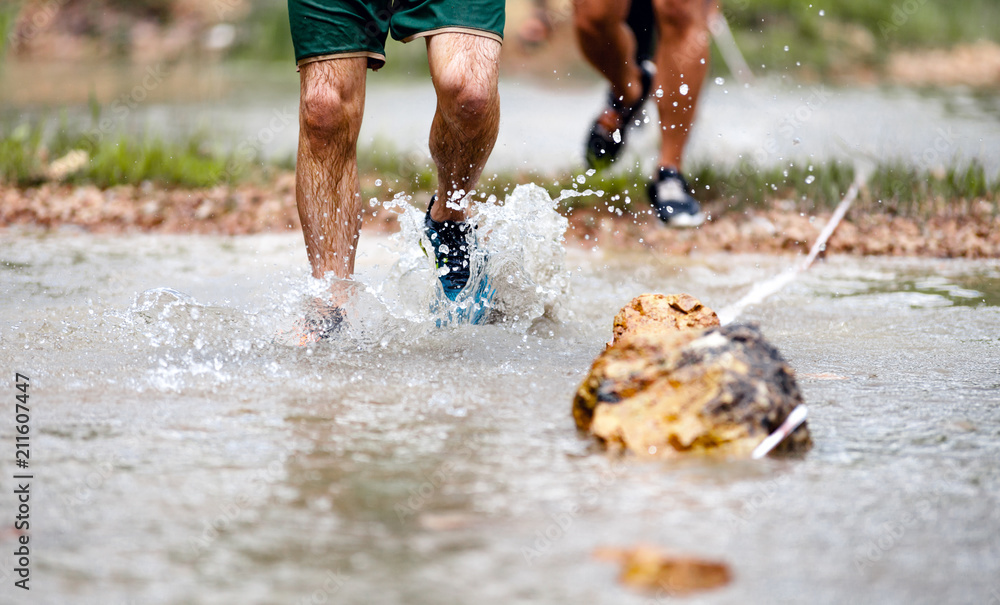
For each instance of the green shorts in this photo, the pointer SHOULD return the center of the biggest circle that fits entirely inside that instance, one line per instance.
(327, 29)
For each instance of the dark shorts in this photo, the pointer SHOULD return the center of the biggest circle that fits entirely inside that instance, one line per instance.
(328, 29)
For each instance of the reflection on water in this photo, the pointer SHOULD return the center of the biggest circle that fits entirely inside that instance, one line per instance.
(979, 287)
(184, 457)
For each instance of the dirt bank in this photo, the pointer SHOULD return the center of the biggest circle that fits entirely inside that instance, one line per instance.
(972, 231)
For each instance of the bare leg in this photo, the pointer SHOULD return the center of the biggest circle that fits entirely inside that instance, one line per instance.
(464, 70)
(327, 191)
(609, 45)
(681, 61)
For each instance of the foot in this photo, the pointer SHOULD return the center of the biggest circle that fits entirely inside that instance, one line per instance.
(451, 251)
(607, 135)
(670, 195)
(322, 323)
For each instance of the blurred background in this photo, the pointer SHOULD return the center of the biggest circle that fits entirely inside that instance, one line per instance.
(186, 457)
(179, 93)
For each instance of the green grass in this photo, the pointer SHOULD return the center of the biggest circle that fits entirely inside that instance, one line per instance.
(928, 23)
(8, 13)
(853, 32)
(264, 35)
(891, 188)
(120, 159)
(114, 159)
(19, 162)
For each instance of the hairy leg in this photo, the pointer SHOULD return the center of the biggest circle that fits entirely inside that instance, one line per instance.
(331, 105)
(682, 63)
(609, 44)
(464, 70)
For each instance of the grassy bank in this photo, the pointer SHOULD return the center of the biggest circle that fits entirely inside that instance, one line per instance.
(84, 156)
(834, 35)
(28, 157)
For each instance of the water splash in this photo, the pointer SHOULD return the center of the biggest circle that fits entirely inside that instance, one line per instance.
(181, 342)
(519, 251)
(524, 240)
(184, 338)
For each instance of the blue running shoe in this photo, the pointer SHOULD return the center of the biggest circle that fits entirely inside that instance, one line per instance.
(453, 242)
(451, 250)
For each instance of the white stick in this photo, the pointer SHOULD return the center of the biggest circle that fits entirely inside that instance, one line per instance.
(764, 289)
(730, 52)
(794, 420)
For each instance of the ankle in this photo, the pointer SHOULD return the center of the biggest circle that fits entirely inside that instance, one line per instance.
(666, 170)
(440, 212)
(632, 92)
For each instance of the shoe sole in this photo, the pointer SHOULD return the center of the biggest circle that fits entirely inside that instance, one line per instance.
(686, 221)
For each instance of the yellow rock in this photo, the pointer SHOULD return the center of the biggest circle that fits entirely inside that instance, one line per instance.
(662, 313)
(665, 392)
(646, 567)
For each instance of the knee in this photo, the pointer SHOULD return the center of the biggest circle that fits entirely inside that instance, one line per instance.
(467, 98)
(678, 18)
(330, 113)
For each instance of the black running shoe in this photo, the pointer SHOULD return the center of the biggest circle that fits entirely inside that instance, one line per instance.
(670, 195)
(451, 249)
(603, 147)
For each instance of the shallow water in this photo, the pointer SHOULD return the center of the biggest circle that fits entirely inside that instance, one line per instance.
(181, 456)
